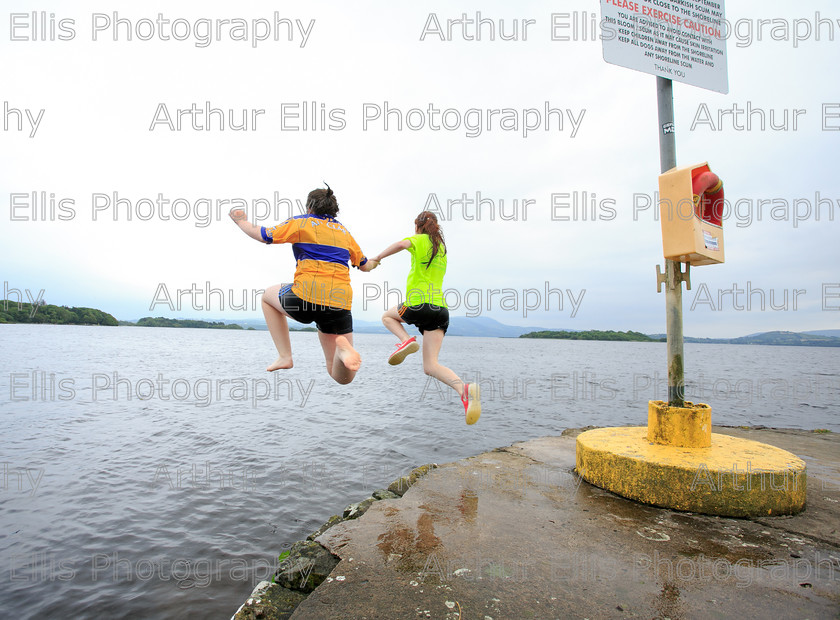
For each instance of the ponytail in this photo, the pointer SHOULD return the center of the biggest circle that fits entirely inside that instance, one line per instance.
(427, 223)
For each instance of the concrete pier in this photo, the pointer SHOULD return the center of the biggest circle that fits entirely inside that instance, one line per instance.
(517, 533)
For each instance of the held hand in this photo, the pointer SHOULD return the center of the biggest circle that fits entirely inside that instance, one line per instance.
(238, 215)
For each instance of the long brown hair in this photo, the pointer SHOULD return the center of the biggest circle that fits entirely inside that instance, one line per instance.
(427, 223)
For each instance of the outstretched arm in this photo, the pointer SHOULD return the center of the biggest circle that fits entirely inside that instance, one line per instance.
(252, 230)
(399, 246)
(374, 262)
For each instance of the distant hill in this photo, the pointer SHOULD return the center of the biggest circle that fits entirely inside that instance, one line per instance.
(14, 312)
(790, 339)
(484, 326)
(609, 336)
(834, 333)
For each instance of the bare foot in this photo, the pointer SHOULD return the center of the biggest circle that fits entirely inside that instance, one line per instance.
(281, 363)
(347, 354)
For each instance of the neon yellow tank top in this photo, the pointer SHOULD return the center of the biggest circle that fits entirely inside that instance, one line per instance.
(425, 286)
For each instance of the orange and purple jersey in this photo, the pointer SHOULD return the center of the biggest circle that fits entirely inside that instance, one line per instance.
(322, 248)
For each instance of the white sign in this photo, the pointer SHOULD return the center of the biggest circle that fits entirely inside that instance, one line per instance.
(678, 39)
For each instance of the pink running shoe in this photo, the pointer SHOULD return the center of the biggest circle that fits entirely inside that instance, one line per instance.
(404, 349)
(472, 403)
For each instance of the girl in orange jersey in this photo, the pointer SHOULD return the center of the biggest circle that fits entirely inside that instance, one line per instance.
(321, 290)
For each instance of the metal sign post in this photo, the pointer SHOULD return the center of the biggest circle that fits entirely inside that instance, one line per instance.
(682, 41)
(673, 273)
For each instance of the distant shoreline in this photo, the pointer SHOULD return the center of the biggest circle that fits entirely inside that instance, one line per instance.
(790, 339)
(608, 336)
(14, 312)
(180, 323)
(43, 313)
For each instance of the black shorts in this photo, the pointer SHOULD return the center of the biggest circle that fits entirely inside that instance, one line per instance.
(426, 317)
(329, 320)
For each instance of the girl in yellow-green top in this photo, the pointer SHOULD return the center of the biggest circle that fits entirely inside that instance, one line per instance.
(425, 308)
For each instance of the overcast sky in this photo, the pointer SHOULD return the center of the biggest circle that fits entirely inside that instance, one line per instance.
(92, 121)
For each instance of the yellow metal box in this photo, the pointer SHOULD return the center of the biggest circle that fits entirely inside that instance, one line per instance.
(692, 229)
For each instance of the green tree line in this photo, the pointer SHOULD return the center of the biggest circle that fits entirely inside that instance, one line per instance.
(164, 322)
(592, 335)
(14, 312)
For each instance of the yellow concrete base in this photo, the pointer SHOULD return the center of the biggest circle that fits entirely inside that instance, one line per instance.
(689, 426)
(733, 477)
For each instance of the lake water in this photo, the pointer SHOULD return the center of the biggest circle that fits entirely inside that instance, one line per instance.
(154, 473)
